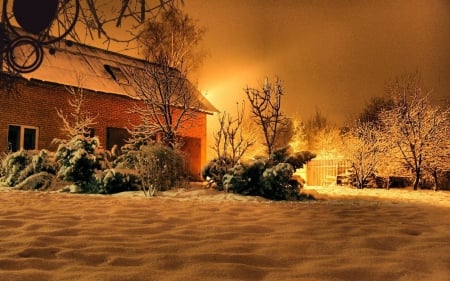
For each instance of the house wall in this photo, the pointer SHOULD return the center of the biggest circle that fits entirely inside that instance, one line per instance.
(35, 104)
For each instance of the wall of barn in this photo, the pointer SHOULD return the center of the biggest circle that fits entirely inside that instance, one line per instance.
(34, 103)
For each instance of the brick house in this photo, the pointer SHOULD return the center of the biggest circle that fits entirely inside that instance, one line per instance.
(28, 116)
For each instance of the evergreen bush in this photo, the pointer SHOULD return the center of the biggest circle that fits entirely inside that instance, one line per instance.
(270, 178)
(215, 170)
(78, 160)
(19, 165)
(117, 180)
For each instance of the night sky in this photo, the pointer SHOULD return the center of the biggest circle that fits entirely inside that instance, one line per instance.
(330, 55)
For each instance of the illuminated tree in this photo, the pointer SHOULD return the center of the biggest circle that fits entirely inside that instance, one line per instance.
(418, 130)
(437, 151)
(79, 121)
(266, 111)
(364, 149)
(322, 137)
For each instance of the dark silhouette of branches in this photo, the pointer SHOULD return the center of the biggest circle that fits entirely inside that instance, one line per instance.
(266, 110)
(117, 22)
(230, 142)
(168, 102)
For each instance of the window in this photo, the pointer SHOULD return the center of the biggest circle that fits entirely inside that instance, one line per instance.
(19, 137)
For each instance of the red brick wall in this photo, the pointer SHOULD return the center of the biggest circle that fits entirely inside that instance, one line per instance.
(36, 103)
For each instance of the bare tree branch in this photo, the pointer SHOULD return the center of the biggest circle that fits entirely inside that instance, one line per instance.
(266, 110)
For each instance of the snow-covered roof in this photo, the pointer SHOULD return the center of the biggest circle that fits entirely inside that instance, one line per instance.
(93, 68)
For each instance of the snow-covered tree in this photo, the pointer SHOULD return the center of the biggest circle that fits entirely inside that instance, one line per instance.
(365, 149)
(323, 137)
(417, 129)
(78, 121)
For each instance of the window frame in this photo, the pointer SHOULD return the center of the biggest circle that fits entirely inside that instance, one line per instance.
(22, 136)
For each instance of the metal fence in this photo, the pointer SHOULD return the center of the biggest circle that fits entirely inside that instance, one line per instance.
(325, 171)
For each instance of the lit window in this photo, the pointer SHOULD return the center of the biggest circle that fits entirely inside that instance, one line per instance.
(19, 137)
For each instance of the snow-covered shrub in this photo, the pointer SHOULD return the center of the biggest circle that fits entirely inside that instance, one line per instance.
(2, 167)
(117, 180)
(159, 167)
(41, 180)
(276, 182)
(269, 178)
(78, 160)
(214, 171)
(19, 165)
(237, 180)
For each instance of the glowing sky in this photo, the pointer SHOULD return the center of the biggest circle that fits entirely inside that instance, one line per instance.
(330, 54)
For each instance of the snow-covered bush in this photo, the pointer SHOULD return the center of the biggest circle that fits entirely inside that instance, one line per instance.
(215, 170)
(117, 180)
(78, 160)
(277, 184)
(237, 180)
(41, 180)
(161, 167)
(2, 167)
(269, 178)
(157, 166)
(19, 165)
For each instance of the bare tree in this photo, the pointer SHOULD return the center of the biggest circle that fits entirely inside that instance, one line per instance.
(266, 111)
(364, 149)
(79, 121)
(168, 102)
(230, 141)
(414, 126)
(173, 38)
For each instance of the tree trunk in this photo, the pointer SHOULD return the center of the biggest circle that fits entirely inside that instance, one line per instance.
(435, 177)
(416, 179)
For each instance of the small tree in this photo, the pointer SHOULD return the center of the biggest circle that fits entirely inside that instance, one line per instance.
(79, 121)
(230, 140)
(365, 149)
(266, 111)
(230, 144)
(414, 126)
(322, 137)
